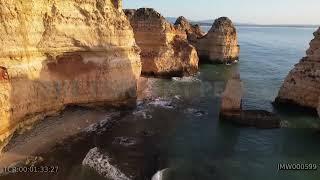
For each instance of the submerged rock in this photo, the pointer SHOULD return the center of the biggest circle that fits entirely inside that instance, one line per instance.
(102, 164)
(256, 118)
(231, 108)
(165, 50)
(59, 53)
(220, 44)
(302, 86)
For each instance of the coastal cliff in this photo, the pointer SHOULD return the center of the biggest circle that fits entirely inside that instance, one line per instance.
(302, 86)
(220, 44)
(165, 50)
(59, 53)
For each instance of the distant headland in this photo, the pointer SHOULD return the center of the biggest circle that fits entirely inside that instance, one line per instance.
(210, 22)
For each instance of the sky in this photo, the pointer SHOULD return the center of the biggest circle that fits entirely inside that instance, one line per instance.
(240, 11)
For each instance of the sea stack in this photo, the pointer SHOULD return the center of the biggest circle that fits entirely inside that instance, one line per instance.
(220, 44)
(302, 86)
(232, 111)
(231, 104)
(193, 32)
(59, 53)
(165, 50)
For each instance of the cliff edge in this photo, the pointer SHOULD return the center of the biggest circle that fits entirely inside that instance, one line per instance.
(302, 86)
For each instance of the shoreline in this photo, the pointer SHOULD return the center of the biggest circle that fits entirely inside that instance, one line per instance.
(50, 132)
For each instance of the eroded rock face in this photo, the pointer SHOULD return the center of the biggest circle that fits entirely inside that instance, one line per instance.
(165, 49)
(103, 165)
(232, 96)
(302, 86)
(231, 108)
(220, 44)
(59, 53)
(193, 32)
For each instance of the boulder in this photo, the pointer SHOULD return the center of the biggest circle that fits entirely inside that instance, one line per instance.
(103, 165)
(220, 44)
(59, 53)
(165, 50)
(302, 86)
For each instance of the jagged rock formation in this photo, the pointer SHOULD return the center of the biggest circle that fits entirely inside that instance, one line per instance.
(193, 32)
(59, 53)
(165, 49)
(232, 96)
(302, 86)
(231, 108)
(220, 44)
(103, 165)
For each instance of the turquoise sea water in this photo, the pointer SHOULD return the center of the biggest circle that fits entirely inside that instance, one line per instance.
(178, 127)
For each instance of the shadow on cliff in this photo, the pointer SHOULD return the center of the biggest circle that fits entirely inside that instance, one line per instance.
(68, 80)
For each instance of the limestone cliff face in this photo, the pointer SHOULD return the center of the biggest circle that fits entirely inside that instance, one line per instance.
(220, 44)
(58, 53)
(193, 32)
(165, 49)
(302, 85)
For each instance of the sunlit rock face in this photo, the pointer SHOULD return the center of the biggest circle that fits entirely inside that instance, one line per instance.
(231, 100)
(302, 86)
(193, 32)
(165, 50)
(59, 53)
(220, 44)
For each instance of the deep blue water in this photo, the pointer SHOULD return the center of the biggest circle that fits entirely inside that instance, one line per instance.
(179, 127)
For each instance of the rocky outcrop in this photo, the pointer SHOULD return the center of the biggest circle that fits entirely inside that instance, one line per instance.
(232, 96)
(103, 165)
(302, 86)
(220, 44)
(59, 53)
(193, 32)
(165, 50)
(231, 108)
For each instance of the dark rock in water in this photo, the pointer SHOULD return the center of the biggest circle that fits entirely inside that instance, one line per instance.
(255, 118)
(102, 164)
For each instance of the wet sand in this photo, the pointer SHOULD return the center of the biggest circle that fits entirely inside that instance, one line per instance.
(50, 132)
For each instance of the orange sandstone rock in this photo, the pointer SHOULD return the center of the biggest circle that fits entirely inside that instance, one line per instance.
(59, 53)
(302, 86)
(165, 50)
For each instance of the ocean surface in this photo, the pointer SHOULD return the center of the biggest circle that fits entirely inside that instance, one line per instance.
(178, 128)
